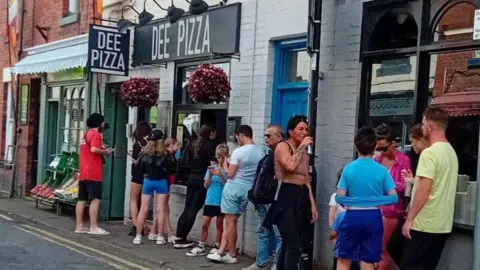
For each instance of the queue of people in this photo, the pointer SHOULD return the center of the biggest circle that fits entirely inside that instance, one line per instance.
(380, 215)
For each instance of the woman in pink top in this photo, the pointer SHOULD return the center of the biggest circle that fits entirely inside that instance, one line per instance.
(395, 161)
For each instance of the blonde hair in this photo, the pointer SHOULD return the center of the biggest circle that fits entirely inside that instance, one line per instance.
(155, 148)
(222, 150)
(169, 142)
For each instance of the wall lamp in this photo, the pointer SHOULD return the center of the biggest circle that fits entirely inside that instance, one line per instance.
(123, 24)
(197, 7)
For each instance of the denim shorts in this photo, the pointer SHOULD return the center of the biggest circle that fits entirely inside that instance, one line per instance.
(234, 198)
(151, 187)
(360, 236)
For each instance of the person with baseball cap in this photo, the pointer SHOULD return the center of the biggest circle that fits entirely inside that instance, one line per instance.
(91, 174)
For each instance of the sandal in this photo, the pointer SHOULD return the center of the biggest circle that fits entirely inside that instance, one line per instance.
(82, 231)
(98, 231)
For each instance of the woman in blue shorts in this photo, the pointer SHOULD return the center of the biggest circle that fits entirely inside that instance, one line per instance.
(156, 165)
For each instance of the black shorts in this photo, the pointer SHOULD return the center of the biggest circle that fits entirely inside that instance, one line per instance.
(89, 190)
(423, 251)
(212, 211)
(137, 176)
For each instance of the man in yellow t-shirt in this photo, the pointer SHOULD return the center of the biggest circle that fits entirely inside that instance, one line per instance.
(430, 217)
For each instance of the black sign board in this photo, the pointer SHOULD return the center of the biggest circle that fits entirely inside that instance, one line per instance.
(108, 50)
(217, 31)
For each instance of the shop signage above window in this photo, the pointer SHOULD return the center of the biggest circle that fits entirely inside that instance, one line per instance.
(217, 31)
(108, 50)
(390, 107)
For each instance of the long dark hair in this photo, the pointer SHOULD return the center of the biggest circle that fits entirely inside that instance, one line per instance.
(142, 130)
(294, 121)
(205, 132)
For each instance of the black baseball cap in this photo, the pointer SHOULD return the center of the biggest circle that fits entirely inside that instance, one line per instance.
(95, 120)
(156, 135)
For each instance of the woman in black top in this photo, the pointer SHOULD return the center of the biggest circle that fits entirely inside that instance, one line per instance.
(200, 153)
(140, 140)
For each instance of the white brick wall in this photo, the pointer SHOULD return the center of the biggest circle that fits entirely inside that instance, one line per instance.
(337, 106)
(252, 74)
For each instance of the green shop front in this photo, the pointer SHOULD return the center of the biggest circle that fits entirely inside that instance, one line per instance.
(68, 94)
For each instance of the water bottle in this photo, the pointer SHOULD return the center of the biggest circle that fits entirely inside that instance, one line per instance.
(309, 150)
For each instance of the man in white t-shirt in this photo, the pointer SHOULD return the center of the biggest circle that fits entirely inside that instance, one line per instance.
(241, 171)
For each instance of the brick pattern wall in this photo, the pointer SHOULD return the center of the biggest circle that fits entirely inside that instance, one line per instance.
(337, 107)
(45, 14)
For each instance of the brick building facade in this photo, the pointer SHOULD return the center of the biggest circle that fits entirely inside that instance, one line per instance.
(44, 22)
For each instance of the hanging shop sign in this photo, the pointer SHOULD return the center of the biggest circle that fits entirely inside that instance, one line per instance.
(108, 50)
(217, 31)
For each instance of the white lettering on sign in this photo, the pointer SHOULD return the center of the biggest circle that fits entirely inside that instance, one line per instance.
(160, 41)
(108, 53)
(193, 36)
(476, 25)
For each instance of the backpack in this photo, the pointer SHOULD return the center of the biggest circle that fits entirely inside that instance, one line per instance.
(265, 186)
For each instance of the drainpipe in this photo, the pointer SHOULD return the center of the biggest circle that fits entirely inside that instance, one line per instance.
(73, 7)
(15, 104)
(476, 239)
(250, 102)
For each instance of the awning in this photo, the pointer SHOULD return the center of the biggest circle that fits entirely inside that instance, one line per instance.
(459, 104)
(56, 56)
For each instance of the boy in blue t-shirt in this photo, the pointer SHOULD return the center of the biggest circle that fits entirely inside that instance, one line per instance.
(215, 179)
(364, 186)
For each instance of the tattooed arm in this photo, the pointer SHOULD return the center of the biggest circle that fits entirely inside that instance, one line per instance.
(288, 160)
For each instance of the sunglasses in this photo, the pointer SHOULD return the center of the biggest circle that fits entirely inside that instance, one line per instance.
(384, 148)
(268, 136)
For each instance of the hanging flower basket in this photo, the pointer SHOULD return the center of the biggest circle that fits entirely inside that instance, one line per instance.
(209, 84)
(139, 92)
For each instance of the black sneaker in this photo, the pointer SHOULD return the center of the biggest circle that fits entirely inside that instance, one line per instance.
(183, 243)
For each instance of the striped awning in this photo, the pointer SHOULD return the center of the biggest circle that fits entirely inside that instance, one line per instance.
(55, 56)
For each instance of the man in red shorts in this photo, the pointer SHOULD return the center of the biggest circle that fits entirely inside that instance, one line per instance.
(91, 174)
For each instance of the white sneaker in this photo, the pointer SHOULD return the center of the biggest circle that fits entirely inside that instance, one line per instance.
(172, 239)
(161, 240)
(196, 251)
(137, 240)
(214, 250)
(229, 259)
(254, 266)
(215, 257)
(152, 237)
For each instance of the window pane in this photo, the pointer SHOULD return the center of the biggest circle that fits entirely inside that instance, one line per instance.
(297, 67)
(391, 97)
(54, 92)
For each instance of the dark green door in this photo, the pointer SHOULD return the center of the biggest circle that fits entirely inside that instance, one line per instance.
(116, 114)
(51, 130)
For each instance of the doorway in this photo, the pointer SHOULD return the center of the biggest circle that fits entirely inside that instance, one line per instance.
(35, 90)
(291, 80)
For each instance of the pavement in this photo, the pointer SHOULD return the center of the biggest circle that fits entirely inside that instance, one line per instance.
(38, 238)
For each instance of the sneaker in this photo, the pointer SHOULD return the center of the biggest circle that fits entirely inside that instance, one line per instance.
(254, 266)
(213, 250)
(152, 237)
(229, 259)
(173, 239)
(137, 240)
(196, 251)
(183, 243)
(214, 257)
(274, 266)
(161, 240)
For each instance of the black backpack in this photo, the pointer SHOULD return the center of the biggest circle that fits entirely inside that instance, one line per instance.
(265, 185)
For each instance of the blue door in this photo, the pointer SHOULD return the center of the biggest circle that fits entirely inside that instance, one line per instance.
(291, 80)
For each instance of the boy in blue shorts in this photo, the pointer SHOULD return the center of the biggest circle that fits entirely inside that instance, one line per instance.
(364, 186)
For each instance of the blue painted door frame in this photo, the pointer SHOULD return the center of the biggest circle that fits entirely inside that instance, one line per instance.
(289, 98)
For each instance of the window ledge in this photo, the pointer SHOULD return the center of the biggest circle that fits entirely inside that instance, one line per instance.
(178, 189)
(72, 18)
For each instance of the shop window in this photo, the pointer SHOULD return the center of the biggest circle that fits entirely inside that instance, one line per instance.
(73, 101)
(392, 98)
(181, 93)
(396, 29)
(297, 68)
(456, 23)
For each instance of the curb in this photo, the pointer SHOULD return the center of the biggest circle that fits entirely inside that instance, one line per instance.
(21, 217)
